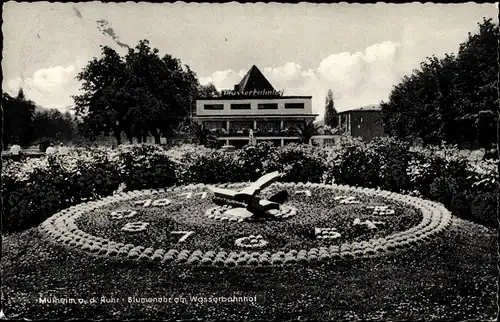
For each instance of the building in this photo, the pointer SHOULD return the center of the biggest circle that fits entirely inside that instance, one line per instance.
(254, 104)
(364, 122)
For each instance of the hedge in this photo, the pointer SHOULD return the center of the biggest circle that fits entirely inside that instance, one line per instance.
(35, 189)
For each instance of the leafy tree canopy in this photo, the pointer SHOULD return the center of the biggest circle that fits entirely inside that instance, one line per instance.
(140, 94)
(448, 98)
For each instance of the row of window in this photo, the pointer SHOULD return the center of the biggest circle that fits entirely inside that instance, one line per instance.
(263, 106)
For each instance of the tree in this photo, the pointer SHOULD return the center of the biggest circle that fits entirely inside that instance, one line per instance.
(331, 117)
(208, 91)
(486, 127)
(17, 118)
(140, 94)
(50, 123)
(443, 100)
(477, 83)
(103, 102)
(306, 131)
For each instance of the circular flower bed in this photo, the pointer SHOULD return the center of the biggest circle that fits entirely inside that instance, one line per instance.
(171, 226)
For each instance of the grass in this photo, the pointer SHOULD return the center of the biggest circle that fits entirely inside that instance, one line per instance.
(452, 278)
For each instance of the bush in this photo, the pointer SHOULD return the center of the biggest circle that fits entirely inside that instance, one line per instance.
(253, 159)
(394, 157)
(147, 166)
(443, 189)
(297, 163)
(212, 167)
(460, 205)
(355, 165)
(30, 203)
(34, 189)
(484, 208)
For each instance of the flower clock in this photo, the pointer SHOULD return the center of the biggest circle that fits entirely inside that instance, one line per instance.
(264, 223)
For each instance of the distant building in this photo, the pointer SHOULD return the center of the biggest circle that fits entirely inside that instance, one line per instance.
(255, 105)
(364, 122)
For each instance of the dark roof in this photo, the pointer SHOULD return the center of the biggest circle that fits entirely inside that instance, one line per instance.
(254, 79)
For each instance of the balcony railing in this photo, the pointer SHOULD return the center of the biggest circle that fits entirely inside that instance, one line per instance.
(257, 132)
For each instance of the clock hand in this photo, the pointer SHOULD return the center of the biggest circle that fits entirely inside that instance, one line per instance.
(223, 193)
(249, 192)
(267, 180)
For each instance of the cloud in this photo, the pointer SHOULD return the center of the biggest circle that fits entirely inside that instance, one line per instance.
(356, 79)
(50, 87)
(289, 71)
(223, 79)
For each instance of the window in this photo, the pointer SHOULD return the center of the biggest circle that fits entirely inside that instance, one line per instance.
(240, 106)
(268, 106)
(214, 106)
(294, 105)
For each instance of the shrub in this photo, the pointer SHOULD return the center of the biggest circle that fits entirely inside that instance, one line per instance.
(36, 188)
(297, 163)
(253, 159)
(460, 205)
(394, 157)
(213, 167)
(484, 208)
(30, 203)
(355, 165)
(147, 166)
(443, 189)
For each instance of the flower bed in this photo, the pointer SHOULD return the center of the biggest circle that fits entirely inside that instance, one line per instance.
(35, 189)
(179, 233)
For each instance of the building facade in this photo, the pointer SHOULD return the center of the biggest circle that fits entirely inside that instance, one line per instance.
(253, 106)
(364, 122)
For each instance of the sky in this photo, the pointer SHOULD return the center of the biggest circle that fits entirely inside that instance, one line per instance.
(359, 51)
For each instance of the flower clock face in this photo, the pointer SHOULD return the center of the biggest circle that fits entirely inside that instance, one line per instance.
(230, 225)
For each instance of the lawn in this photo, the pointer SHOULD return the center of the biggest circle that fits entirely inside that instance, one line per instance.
(452, 277)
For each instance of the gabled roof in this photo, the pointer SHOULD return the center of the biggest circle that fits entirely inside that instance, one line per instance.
(255, 80)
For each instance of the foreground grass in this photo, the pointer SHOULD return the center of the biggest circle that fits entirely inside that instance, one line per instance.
(453, 278)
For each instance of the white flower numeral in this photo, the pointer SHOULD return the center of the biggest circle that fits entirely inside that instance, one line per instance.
(185, 233)
(156, 203)
(135, 226)
(346, 200)
(326, 233)
(368, 223)
(382, 210)
(306, 192)
(190, 194)
(122, 214)
(251, 242)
